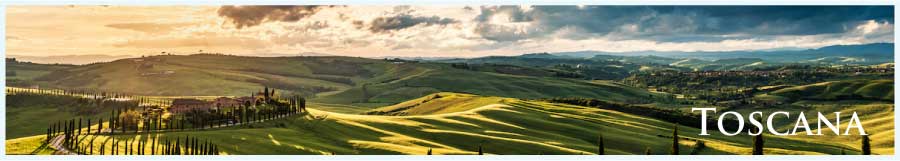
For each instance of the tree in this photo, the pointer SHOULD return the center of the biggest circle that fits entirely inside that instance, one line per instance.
(429, 151)
(48, 135)
(601, 150)
(866, 149)
(114, 148)
(89, 126)
(647, 151)
(480, 150)
(153, 146)
(758, 144)
(79, 125)
(674, 141)
(266, 94)
(100, 126)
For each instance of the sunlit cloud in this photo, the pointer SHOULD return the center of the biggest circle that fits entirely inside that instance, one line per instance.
(435, 31)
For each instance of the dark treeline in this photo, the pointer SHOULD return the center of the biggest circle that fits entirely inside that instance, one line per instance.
(23, 97)
(66, 102)
(271, 108)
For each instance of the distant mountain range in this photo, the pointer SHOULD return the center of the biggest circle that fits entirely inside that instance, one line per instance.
(875, 53)
(868, 53)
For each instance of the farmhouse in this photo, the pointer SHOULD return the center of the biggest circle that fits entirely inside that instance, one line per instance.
(185, 105)
(226, 102)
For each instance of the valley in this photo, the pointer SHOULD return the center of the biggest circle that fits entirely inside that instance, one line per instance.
(530, 104)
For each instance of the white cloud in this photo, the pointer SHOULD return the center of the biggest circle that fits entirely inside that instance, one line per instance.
(332, 30)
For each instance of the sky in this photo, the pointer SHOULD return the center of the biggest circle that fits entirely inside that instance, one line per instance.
(435, 31)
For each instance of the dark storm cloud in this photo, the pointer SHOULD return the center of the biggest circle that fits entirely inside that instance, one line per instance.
(248, 16)
(402, 21)
(678, 23)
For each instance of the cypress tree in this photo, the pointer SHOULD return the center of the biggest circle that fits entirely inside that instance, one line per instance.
(131, 147)
(89, 126)
(480, 150)
(100, 126)
(203, 150)
(758, 144)
(866, 149)
(125, 148)
(600, 149)
(113, 147)
(165, 150)
(674, 141)
(179, 146)
(142, 147)
(153, 146)
(429, 151)
(48, 135)
(122, 124)
(112, 126)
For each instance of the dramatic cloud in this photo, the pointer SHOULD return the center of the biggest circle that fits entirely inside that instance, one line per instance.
(675, 23)
(444, 31)
(248, 16)
(402, 21)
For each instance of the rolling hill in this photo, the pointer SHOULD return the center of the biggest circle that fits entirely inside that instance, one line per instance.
(342, 80)
(499, 125)
(841, 90)
(872, 100)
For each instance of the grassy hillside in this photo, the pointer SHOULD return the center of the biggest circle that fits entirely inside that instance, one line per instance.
(872, 100)
(32, 145)
(22, 73)
(500, 126)
(438, 103)
(335, 80)
(30, 115)
(214, 74)
(442, 78)
(842, 90)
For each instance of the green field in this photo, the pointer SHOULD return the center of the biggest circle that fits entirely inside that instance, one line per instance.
(26, 117)
(864, 89)
(876, 109)
(500, 125)
(482, 83)
(334, 80)
(372, 106)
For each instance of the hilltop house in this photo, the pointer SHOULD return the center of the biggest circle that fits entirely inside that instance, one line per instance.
(226, 102)
(185, 105)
